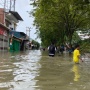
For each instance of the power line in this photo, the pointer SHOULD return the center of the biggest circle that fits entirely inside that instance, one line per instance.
(28, 30)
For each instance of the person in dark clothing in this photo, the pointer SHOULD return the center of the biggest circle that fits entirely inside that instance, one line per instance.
(61, 49)
(51, 50)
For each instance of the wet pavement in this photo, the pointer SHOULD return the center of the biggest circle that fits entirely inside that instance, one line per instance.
(30, 70)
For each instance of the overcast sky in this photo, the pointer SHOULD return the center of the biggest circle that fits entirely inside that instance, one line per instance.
(22, 6)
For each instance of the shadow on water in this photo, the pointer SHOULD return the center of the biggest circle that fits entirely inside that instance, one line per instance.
(34, 70)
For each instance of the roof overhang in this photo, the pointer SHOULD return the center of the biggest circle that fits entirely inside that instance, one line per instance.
(16, 15)
(13, 16)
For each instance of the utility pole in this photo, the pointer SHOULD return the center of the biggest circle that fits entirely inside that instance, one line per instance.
(28, 30)
(10, 4)
(4, 10)
(14, 4)
(4, 5)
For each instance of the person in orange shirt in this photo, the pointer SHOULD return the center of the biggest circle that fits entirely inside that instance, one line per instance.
(76, 54)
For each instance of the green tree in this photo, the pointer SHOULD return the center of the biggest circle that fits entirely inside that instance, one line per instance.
(58, 20)
(36, 44)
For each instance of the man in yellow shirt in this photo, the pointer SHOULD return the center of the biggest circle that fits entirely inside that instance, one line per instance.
(76, 54)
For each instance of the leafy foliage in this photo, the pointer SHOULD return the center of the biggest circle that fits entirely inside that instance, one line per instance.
(57, 20)
(37, 45)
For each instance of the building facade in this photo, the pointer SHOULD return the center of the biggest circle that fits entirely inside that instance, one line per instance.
(9, 37)
(4, 38)
(18, 41)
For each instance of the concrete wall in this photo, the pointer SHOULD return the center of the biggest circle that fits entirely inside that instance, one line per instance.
(2, 15)
(4, 39)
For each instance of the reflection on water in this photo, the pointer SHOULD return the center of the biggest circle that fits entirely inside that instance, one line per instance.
(18, 70)
(75, 69)
(30, 70)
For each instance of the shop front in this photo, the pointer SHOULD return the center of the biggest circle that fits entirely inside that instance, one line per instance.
(14, 44)
(4, 38)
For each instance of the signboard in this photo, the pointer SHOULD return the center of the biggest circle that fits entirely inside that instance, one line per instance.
(3, 32)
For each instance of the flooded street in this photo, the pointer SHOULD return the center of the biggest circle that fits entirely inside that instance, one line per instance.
(31, 70)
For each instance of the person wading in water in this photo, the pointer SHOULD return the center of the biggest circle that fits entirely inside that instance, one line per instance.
(51, 50)
(76, 54)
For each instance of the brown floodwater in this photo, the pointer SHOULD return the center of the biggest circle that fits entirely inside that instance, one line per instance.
(32, 70)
